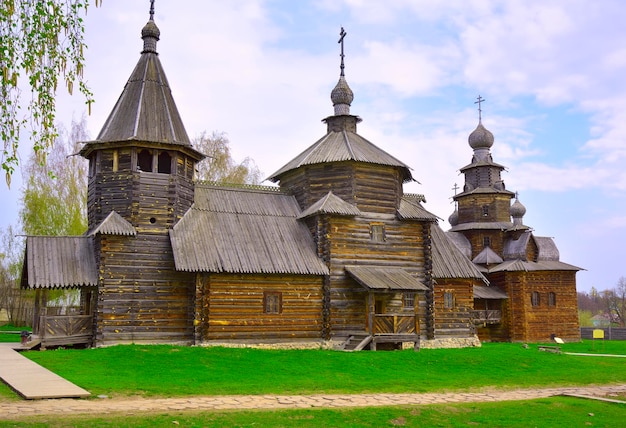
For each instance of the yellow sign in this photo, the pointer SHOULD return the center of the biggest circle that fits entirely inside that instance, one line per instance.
(598, 334)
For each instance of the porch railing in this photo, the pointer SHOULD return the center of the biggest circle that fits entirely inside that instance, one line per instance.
(488, 316)
(65, 329)
(394, 324)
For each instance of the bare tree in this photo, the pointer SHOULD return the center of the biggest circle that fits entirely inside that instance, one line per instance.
(616, 302)
(219, 165)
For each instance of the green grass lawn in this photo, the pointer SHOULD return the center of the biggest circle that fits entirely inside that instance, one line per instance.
(11, 337)
(551, 412)
(171, 371)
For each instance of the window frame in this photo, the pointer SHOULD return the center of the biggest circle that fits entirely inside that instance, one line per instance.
(272, 302)
(377, 232)
(408, 300)
(449, 301)
(535, 299)
(552, 299)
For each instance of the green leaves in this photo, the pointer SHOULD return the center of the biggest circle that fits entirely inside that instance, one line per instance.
(40, 43)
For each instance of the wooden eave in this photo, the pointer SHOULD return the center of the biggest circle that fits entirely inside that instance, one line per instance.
(491, 225)
(385, 278)
(339, 146)
(486, 292)
(483, 191)
(481, 164)
(411, 209)
(526, 266)
(91, 146)
(59, 262)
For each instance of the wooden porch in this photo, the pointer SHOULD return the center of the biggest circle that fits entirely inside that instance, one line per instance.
(62, 330)
(393, 328)
(487, 316)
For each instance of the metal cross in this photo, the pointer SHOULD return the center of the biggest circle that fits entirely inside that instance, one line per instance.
(480, 100)
(151, 10)
(342, 35)
(455, 188)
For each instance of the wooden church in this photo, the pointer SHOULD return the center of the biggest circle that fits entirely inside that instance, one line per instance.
(336, 255)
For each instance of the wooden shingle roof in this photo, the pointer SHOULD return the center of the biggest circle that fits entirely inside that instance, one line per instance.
(411, 209)
(385, 278)
(339, 146)
(145, 111)
(114, 224)
(244, 231)
(448, 260)
(331, 204)
(59, 262)
(524, 266)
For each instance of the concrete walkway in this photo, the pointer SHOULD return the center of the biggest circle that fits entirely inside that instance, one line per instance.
(32, 381)
(10, 409)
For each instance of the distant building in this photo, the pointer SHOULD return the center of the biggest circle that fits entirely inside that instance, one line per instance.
(336, 254)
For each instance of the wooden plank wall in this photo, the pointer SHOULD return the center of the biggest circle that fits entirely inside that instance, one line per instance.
(141, 297)
(534, 324)
(232, 307)
(455, 321)
(349, 243)
(371, 188)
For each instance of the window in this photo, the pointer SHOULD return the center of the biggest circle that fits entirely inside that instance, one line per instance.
(534, 299)
(116, 161)
(272, 302)
(448, 300)
(408, 300)
(165, 163)
(144, 161)
(551, 299)
(377, 232)
(486, 242)
(485, 210)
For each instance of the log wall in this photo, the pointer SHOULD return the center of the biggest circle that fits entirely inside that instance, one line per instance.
(455, 321)
(141, 297)
(530, 323)
(232, 307)
(371, 188)
(347, 241)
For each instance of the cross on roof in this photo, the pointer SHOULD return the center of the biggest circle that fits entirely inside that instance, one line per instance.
(151, 10)
(342, 35)
(480, 100)
(455, 188)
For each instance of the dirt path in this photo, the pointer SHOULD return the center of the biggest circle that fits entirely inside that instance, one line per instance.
(10, 409)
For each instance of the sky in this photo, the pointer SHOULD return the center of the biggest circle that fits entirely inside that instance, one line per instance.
(552, 74)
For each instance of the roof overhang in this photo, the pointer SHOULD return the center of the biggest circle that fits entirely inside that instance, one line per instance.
(484, 292)
(382, 278)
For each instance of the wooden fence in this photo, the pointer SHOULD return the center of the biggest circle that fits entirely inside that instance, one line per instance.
(610, 333)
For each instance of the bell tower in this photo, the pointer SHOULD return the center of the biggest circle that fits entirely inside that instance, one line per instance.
(141, 170)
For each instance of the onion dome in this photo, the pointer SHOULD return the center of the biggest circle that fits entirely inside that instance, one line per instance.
(517, 209)
(342, 97)
(150, 35)
(480, 138)
(454, 218)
